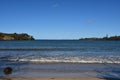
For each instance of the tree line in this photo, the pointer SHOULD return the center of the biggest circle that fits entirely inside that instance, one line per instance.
(104, 38)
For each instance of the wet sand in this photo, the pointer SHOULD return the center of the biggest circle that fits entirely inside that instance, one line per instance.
(52, 79)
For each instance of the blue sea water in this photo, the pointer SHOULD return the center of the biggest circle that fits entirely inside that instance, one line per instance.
(60, 58)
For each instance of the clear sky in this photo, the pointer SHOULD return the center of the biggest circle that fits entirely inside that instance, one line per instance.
(60, 19)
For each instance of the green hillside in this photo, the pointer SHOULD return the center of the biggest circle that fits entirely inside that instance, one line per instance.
(15, 36)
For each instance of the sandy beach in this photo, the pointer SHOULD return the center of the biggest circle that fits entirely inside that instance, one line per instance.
(53, 79)
(57, 79)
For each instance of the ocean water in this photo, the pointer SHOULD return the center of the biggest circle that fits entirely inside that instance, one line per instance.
(61, 58)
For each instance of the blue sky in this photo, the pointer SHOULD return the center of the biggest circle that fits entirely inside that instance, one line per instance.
(60, 19)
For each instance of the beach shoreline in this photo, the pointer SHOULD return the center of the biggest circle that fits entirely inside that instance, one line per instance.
(52, 78)
(25, 61)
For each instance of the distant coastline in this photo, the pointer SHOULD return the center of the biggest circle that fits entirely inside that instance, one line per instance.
(104, 38)
(15, 36)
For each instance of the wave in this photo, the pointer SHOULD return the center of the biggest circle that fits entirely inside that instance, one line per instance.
(60, 61)
(46, 49)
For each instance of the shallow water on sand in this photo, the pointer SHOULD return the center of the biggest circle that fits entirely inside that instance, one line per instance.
(42, 70)
(61, 58)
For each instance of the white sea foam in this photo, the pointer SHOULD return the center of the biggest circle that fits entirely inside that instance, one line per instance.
(66, 60)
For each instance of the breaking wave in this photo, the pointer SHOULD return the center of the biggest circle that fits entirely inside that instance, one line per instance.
(65, 60)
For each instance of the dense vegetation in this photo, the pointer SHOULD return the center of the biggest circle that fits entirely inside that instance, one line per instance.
(104, 38)
(15, 36)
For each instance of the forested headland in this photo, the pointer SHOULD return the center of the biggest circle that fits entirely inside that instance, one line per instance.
(15, 36)
(103, 38)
